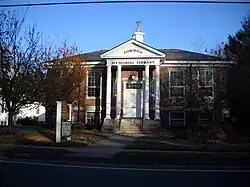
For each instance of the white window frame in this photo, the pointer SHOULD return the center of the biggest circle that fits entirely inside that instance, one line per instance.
(198, 75)
(91, 109)
(87, 85)
(169, 82)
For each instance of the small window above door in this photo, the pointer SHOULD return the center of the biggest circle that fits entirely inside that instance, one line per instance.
(134, 85)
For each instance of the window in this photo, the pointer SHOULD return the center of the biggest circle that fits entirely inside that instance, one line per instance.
(177, 118)
(92, 117)
(134, 85)
(206, 82)
(94, 83)
(176, 83)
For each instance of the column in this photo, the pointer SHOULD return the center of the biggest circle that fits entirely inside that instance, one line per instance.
(119, 91)
(146, 93)
(70, 112)
(108, 92)
(58, 121)
(157, 92)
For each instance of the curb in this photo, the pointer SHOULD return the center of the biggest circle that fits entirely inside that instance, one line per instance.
(176, 167)
(186, 152)
(134, 150)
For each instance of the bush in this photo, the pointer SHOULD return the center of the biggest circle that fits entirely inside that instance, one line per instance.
(27, 121)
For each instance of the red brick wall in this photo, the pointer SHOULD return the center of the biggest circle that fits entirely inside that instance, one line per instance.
(164, 76)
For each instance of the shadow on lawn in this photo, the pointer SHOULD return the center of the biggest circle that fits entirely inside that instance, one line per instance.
(46, 137)
(34, 153)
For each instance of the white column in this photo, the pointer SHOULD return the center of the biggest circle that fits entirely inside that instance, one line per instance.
(119, 91)
(108, 92)
(157, 92)
(58, 120)
(70, 112)
(146, 93)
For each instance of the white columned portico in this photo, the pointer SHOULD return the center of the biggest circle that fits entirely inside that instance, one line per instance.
(157, 92)
(108, 92)
(146, 93)
(119, 91)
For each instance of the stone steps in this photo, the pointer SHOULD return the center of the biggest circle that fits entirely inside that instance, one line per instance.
(131, 126)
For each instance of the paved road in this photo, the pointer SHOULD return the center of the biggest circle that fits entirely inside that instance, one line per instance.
(32, 174)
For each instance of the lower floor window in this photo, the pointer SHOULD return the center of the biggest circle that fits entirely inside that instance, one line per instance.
(92, 117)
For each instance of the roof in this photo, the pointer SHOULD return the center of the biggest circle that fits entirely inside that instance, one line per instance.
(171, 54)
(178, 54)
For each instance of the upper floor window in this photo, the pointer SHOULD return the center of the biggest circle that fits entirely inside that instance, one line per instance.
(176, 83)
(94, 83)
(206, 82)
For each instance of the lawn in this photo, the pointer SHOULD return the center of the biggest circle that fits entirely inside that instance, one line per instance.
(199, 139)
(46, 137)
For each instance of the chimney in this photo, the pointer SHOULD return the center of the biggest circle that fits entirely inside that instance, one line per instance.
(138, 35)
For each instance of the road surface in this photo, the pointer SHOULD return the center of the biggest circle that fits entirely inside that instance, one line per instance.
(46, 174)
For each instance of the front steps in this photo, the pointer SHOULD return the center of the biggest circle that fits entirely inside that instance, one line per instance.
(110, 125)
(131, 126)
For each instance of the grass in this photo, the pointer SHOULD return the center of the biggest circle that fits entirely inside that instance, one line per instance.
(46, 137)
(188, 140)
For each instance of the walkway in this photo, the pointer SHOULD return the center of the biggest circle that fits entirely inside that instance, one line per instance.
(106, 148)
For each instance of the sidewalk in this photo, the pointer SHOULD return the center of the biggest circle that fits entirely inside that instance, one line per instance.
(104, 149)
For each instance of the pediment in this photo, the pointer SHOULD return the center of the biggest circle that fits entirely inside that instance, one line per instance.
(132, 49)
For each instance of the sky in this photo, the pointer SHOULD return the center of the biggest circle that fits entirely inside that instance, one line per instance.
(191, 27)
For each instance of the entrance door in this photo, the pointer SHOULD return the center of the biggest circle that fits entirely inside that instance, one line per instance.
(133, 99)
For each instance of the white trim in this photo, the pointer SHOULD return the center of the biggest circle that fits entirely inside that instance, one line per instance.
(195, 65)
(103, 62)
(160, 54)
(197, 62)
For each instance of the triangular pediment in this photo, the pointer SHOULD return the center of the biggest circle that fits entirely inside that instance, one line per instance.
(132, 49)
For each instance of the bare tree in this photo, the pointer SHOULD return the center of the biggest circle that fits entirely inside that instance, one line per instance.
(20, 58)
(191, 86)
